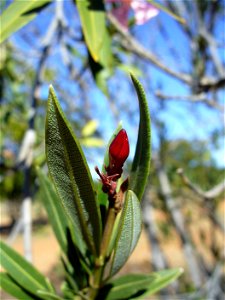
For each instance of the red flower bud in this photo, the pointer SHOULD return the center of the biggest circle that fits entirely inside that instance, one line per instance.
(118, 153)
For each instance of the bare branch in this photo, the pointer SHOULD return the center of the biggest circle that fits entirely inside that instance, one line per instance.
(211, 194)
(131, 44)
(202, 97)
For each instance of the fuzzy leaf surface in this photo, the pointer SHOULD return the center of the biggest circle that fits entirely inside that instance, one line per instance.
(141, 163)
(56, 213)
(128, 233)
(71, 175)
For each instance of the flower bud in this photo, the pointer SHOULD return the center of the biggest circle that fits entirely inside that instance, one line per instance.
(118, 152)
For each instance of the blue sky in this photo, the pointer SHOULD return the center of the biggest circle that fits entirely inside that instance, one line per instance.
(183, 119)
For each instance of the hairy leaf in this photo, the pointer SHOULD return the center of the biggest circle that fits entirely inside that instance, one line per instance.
(57, 215)
(128, 233)
(141, 163)
(71, 175)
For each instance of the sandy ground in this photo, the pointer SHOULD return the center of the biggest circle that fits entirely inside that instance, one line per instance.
(46, 252)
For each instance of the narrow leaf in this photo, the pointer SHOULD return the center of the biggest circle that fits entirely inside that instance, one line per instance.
(141, 163)
(48, 295)
(56, 214)
(163, 278)
(55, 210)
(18, 14)
(14, 289)
(89, 128)
(126, 287)
(71, 175)
(138, 286)
(93, 22)
(21, 270)
(129, 232)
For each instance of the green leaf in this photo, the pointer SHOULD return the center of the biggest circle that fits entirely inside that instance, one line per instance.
(93, 22)
(89, 128)
(55, 210)
(48, 295)
(92, 142)
(71, 175)
(138, 286)
(14, 289)
(162, 279)
(129, 232)
(126, 287)
(22, 271)
(56, 213)
(141, 163)
(18, 14)
(98, 41)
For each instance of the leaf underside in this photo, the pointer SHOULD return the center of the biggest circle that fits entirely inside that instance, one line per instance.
(128, 233)
(71, 175)
(141, 163)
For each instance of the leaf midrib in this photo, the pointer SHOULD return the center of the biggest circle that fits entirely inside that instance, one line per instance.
(74, 186)
(20, 269)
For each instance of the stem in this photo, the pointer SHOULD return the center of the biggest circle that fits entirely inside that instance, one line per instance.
(110, 220)
(100, 263)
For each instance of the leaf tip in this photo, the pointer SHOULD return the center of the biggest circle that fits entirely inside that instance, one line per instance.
(51, 89)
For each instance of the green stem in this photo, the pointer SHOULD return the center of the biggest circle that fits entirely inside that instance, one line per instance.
(110, 220)
(100, 264)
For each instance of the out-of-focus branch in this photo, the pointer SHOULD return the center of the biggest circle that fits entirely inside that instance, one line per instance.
(26, 152)
(202, 97)
(131, 44)
(208, 196)
(213, 49)
(207, 84)
(159, 261)
(179, 223)
(211, 194)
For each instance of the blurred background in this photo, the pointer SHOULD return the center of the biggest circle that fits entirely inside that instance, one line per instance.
(176, 48)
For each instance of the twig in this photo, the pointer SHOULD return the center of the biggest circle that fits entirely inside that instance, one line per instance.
(202, 97)
(207, 196)
(210, 194)
(131, 44)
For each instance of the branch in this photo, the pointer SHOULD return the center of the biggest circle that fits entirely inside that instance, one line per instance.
(133, 45)
(210, 194)
(213, 49)
(202, 97)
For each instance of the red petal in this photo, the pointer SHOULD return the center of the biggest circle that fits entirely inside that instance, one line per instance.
(119, 148)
